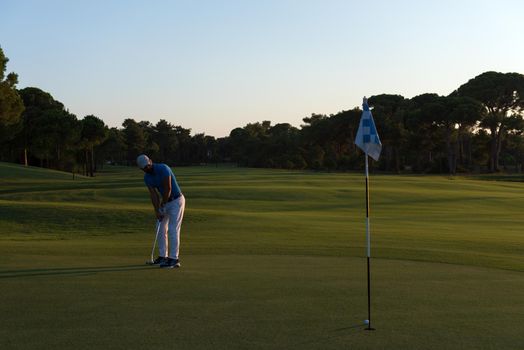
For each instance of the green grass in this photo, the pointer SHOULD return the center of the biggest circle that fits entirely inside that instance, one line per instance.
(271, 259)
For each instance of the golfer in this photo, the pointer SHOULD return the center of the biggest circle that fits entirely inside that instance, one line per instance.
(169, 204)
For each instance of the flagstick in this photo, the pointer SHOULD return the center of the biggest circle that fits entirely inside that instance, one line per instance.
(368, 245)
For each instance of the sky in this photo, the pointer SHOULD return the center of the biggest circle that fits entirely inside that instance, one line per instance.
(212, 66)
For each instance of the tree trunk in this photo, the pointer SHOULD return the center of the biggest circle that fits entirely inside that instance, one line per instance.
(25, 156)
(450, 152)
(493, 151)
(389, 157)
(92, 162)
(456, 151)
(397, 159)
(86, 162)
(460, 151)
(498, 146)
(470, 154)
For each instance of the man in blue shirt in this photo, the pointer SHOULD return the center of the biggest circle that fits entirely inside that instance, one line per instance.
(169, 204)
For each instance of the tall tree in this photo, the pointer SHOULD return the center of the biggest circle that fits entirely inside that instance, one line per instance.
(283, 147)
(502, 95)
(113, 149)
(462, 114)
(446, 114)
(94, 132)
(164, 135)
(11, 105)
(183, 153)
(201, 148)
(423, 137)
(316, 138)
(151, 146)
(236, 142)
(513, 153)
(135, 139)
(37, 103)
(55, 136)
(388, 111)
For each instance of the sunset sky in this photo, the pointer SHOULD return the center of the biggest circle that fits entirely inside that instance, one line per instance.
(215, 65)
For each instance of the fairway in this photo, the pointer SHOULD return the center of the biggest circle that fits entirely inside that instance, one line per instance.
(271, 259)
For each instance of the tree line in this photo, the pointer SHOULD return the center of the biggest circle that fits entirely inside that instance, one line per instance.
(478, 127)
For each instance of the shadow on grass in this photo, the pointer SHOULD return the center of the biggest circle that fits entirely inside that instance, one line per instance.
(335, 333)
(357, 326)
(70, 271)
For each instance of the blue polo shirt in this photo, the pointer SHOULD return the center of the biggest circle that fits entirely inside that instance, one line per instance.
(160, 171)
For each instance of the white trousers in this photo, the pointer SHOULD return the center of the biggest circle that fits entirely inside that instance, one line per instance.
(170, 227)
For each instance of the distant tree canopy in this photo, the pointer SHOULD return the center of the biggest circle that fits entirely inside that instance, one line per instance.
(478, 127)
(502, 96)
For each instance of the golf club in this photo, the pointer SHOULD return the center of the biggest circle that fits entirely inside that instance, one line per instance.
(152, 259)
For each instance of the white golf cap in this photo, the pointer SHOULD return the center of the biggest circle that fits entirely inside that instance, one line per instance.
(142, 161)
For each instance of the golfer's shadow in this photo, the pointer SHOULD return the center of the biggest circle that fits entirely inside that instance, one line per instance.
(69, 271)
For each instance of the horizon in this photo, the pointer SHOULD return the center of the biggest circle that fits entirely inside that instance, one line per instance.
(213, 67)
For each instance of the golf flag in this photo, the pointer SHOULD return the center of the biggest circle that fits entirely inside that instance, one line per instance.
(367, 140)
(367, 137)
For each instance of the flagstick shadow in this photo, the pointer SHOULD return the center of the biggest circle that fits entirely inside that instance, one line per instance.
(339, 334)
(69, 271)
(348, 328)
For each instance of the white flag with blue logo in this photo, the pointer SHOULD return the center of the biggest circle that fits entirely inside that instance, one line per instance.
(367, 137)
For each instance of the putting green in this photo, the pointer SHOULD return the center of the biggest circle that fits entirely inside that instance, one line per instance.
(270, 259)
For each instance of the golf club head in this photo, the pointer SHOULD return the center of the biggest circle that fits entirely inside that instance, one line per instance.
(151, 260)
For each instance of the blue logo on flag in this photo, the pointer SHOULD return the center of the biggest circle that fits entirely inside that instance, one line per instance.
(367, 137)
